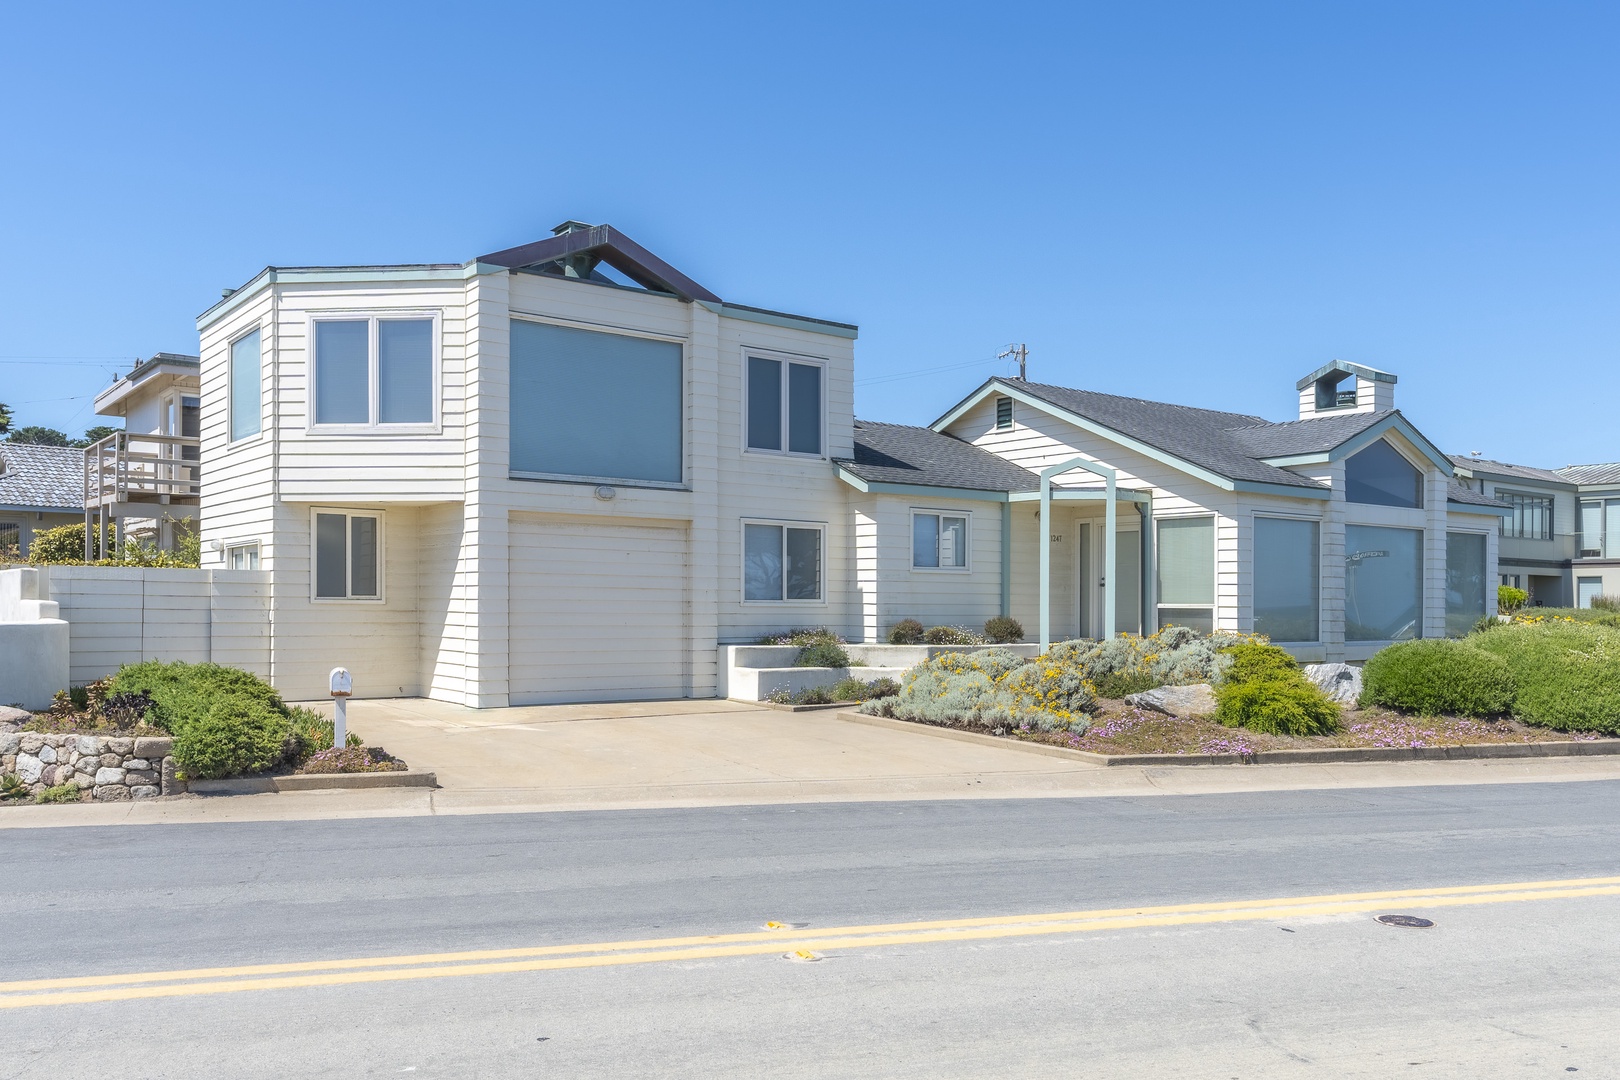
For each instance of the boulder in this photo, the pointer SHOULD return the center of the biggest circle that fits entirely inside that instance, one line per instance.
(87, 745)
(1341, 682)
(154, 747)
(106, 776)
(9, 742)
(30, 742)
(30, 768)
(47, 754)
(1183, 701)
(11, 715)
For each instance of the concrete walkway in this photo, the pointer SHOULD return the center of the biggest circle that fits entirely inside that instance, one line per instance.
(712, 753)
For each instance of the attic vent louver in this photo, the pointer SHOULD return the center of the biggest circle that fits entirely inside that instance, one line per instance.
(1004, 413)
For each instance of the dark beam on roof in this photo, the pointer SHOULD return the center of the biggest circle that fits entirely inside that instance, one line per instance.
(610, 246)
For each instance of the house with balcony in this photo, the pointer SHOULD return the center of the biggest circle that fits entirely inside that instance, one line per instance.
(566, 471)
(1538, 533)
(1595, 570)
(144, 482)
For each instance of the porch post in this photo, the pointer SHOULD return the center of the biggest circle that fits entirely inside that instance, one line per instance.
(1110, 557)
(1006, 559)
(1045, 538)
(1108, 476)
(1149, 579)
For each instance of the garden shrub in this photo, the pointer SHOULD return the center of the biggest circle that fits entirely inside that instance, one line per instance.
(822, 654)
(1436, 677)
(236, 735)
(1262, 689)
(182, 692)
(856, 690)
(906, 632)
(1003, 630)
(65, 544)
(951, 635)
(994, 687)
(1565, 674)
(805, 635)
(1509, 599)
(1606, 603)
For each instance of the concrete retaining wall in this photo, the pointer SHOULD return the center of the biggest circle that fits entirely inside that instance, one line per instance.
(753, 672)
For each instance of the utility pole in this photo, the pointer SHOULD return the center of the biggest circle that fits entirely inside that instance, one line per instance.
(1022, 354)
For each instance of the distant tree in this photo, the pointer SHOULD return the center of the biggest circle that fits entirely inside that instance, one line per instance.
(5, 418)
(39, 436)
(96, 434)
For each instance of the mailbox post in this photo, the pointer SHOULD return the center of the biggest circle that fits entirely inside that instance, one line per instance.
(342, 687)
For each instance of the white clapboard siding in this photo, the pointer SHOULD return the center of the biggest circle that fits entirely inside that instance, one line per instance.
(598, 612)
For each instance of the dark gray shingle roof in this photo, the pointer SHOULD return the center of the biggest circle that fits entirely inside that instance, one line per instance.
(1608, 473)
(900, 454)
(1203, 437)
(1317, 435)
(1502, 468)
(47, 477)
(1458, 494)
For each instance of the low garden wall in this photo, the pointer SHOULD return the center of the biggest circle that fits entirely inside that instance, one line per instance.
(114, 768)
(753, 672)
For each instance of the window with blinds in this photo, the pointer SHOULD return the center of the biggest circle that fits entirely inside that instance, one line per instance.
(593, 406)
(1187, 573)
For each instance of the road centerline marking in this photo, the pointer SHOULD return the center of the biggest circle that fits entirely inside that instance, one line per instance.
(320, 973)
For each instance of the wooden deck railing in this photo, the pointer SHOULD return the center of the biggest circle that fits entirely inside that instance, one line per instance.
(130, 467)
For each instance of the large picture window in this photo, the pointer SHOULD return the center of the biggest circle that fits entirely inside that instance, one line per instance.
(1465, 582)
(348, 555)
(1381, 476)
(782, 562)
(1187, 573)
(784, 405)
(374, 372)
(246, 403)
(939, 541)
(1287, 593)
(1600, 529)
(593, 406)
(1383, 583)
(1532, 517)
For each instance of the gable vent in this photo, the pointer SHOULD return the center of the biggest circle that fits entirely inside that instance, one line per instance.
(1004, 413)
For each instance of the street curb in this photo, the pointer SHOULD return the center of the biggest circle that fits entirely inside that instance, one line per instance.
(263, 785)
(1335, 756)
(793, 708)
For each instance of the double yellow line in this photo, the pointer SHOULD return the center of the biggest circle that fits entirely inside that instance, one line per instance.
(193, 982)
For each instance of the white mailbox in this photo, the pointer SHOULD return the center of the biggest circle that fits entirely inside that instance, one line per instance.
(342, 682)
(342, 686)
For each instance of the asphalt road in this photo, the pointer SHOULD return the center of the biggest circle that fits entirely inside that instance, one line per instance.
(1500, 989)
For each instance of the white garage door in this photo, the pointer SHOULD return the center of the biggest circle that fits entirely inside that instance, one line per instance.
(598, 613)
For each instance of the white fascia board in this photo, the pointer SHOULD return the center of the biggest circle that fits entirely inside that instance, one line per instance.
(1100, 430)
(340, 275)
(1259, 487)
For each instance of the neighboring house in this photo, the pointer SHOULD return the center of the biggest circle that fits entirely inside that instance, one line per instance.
(568, 472)
(1596, 567)
(144, 481)
(1335, 533)
(41, 487)
(1538, 535)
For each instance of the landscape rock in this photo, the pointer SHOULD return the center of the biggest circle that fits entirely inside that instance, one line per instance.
(30, 768)
(154, 748)
(112, 793)
(1341, 682)
(12, 715)
(140, 777)
(112, 761)
(1180, 701)
(8, 742)
(143, 792)
(121, 747)
(30, 742)
(47, 754)
(87, 745)
(105, 775)
(172, 784)
(137, 763)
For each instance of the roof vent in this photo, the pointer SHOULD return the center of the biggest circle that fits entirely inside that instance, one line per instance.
(226, 294)
(570, 226)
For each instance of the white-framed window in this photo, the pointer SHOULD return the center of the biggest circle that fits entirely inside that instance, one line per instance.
(1186, 554)
(244, 376)
(242, 556)
(1287, 578)
(1532, 517)
(785, 404)
(1383, 583)
(783, 562)
(939, 540)
(374, 372)
(346, 554)
(1380, 475)
(1600, 529)
(1465, 581)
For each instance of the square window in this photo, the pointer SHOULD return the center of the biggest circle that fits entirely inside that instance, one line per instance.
(373, 372)
(782, 562)
(348, 555)
(939, 541)
(242, 556)
(785, 406)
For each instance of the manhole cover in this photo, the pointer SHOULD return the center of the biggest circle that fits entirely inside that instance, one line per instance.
(1405, 920)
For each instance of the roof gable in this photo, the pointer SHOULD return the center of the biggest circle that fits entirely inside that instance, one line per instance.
(577, 249)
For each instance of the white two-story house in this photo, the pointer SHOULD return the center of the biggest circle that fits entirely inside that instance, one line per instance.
(568, 472)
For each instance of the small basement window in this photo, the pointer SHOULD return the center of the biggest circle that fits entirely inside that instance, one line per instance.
(348, 555)
(1004, 413)
(242, 556)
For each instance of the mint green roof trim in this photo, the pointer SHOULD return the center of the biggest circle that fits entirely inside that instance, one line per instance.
(776, 318)
(274, 275)
(922, 491)
(1344, 367)
(1256, 487)
(1393, 422)
(1007, 390)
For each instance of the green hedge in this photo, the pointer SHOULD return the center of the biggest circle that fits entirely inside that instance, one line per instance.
(1263, 690)
(225, 722)
(1566, 674)
(1439, 676)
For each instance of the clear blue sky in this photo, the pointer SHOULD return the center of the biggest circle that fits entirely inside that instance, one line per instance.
(1193, 202)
